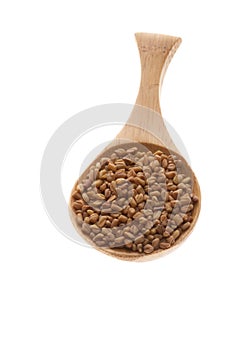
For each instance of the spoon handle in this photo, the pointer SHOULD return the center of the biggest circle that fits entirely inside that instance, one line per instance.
(156, 52)
(146, 125)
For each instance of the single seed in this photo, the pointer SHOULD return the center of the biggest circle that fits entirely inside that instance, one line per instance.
(186, 180)
(171, 166)
(102, 220)
(139, 198)
(132, 202)
(119, 240)
(164, 245)
(99, 236)
(77, 205)
(187, 208)
(148, 248)
(112, 198)
(176, 234)
(178, 219)
(79, 218)
(89, 211)
(186, 226)
(85, 197)
(76, 195)
(112, 167)
(93, 218)
(164, 163)
(98, 183)
(140, 239)
(107, 193)
(122, 218)
(170, 174)
(114, 223)
(129, 235)
(195, 199)
(116, 208)
(155, 243)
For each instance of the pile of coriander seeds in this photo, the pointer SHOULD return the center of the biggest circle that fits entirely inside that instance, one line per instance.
(135, 200)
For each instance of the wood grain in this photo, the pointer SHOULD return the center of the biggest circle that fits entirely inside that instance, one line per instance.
(146, 124)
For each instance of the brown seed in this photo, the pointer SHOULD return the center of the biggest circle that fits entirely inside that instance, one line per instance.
(148, 248)
(166, 234)
(102, 174)
(77, 205)
(139, 239)
(164, 245)
(107, 193)
(93, 218)
(102, 220)
(168, 207)
(76, 195)
(89, 211)
(163, 219)
(186, 226)
(139, 189)
(114, 223)
(98, 183)
(112, 167)
(155, 243)
(122, 218)
(170, 174)
(112, 198)
(164, 163)
(139, 198)
(101, 196)
(177, 193)
(137, 215)
(170, 240)
(79, 218)
(131, 212)
(120, 164)
(160, 229)
(195, 199)
(140, 248)
(176, 234)
(108, 223)
(139, 181)
(103, 187)
(171, 166)
(141, 205)
(132, 202)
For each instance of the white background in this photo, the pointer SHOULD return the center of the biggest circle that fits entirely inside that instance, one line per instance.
(56, 59)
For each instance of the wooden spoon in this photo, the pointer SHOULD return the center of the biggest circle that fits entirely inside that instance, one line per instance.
(145, 126)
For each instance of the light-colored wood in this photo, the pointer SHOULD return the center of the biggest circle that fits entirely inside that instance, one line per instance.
(145, 126)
